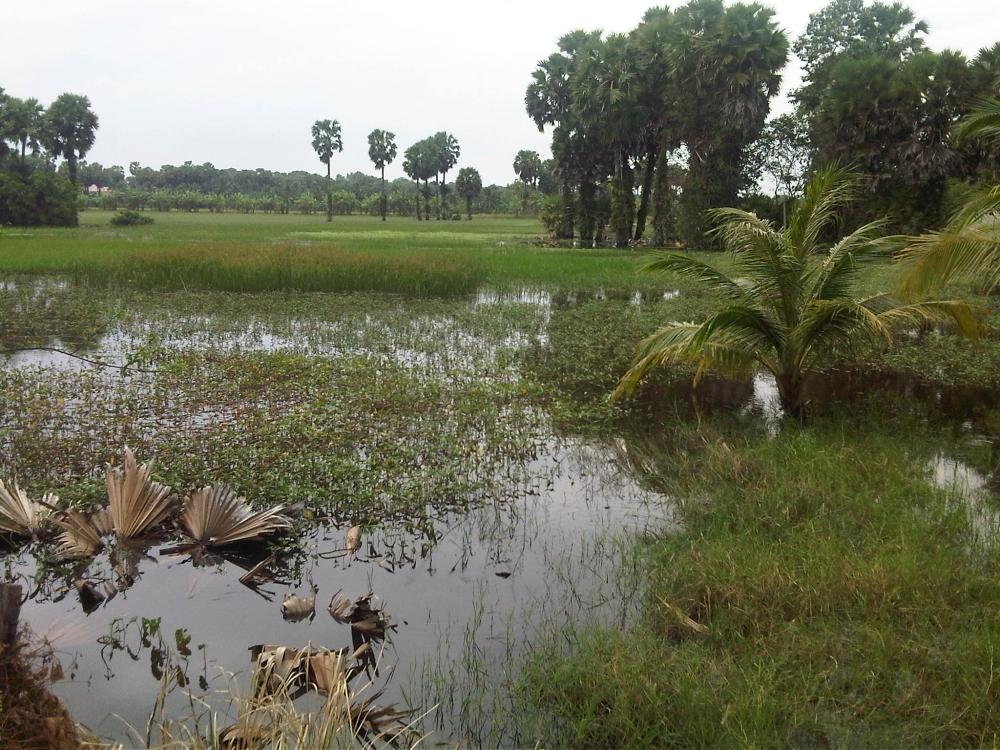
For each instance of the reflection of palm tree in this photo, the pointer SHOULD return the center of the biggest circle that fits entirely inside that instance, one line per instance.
(790, 311)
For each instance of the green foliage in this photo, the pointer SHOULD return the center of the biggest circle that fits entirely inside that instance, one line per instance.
(38, 198)
(130, 219)
(788, 312)
(69, 129)
(469, 185)
(382, 151)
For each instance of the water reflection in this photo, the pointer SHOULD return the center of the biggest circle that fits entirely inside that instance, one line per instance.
(487, 573)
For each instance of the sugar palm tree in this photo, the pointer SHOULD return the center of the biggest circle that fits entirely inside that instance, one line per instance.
(381, 150)
(968, 247)
(325, 140)
(789, 309)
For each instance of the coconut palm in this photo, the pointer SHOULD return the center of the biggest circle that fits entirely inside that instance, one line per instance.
(968, 247)
(325, 140)
(789, 311)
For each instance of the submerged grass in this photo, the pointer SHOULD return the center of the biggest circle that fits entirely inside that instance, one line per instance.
(823, 593)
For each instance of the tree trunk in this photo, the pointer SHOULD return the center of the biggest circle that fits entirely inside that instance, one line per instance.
(437, 186)
(329, 194)
(564, 230)
(417, 183)
(647, 187)
(468, 206)
(790, 394)
(383, 201)
(71, 165)
(587, 218)
(664, 230)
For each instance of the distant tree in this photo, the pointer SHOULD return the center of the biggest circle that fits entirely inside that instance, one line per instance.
(446, 151)
(469, 185)
(381, 150)
(528, 168)
(325, 140)
(24, 121)
(69, 129)
(411, 166)
(782, 155)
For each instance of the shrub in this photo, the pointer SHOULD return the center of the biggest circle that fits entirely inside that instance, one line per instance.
(129, 218)
(36, 199)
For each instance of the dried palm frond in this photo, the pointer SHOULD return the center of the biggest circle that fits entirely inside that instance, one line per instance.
(20, 515)
(83, 535)
(372, 721)
(370, 622)
(137, 502)
(217, 516)
(296, 671)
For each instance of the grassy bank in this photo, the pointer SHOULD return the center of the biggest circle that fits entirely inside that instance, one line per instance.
(823, 593)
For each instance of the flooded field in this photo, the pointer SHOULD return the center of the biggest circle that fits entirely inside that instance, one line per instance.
(488, 519)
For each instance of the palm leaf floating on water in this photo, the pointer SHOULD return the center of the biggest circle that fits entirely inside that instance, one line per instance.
(83, 535)
(369, 622)
(296, 608)
(217, 516)
(138, 504)
(19, 514)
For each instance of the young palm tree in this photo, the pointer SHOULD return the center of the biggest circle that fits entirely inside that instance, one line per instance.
(790, 310)
(968, 247)
(381, 150)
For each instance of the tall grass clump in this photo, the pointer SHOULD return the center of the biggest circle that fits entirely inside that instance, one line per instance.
(824, 593)
(236, 267)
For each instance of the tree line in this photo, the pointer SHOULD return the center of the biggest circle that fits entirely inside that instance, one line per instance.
(33, 138)
(672, 118)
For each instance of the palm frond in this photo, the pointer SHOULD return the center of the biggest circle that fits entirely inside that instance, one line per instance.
(217, 516)
(19, 514)
(137, 502)
(690, 268)
(674, 343)
(839, 270)
(827, 193)
(982, 122)
(968, 248)
(83, 535)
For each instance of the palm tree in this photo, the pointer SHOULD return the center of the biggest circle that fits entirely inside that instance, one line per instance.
(70, 127)
(469, 185)
(25, 123)
(326, 140)
(527, 167)
(446, 152)
(412, 168)
(788, 312)
(381, 150)
(969, 245)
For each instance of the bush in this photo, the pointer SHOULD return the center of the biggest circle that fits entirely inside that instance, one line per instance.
(38, 199)
(130, 219)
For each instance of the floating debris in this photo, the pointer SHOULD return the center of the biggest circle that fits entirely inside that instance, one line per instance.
(353, 539)
(217, 516)
(296, 608)
(137, 503)
(22, 516)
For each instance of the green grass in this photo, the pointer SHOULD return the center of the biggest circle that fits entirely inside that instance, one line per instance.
(271, 252)
(845, 601)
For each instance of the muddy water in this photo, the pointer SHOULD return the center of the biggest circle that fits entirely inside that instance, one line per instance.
(463, 608)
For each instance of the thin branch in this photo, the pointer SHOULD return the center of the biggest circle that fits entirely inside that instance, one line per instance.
(99, 363)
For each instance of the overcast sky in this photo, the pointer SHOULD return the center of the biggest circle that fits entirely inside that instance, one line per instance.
(239, 82)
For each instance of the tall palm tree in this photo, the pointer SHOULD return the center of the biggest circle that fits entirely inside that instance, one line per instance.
(413, 170)
(25, 119)
(968, 247)
(446, 151)
(325, 141)
(381, 150)
(70, 127)
(789, 311)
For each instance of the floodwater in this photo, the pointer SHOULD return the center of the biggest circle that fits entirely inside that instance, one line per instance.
(496, 577)
(466, 598)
